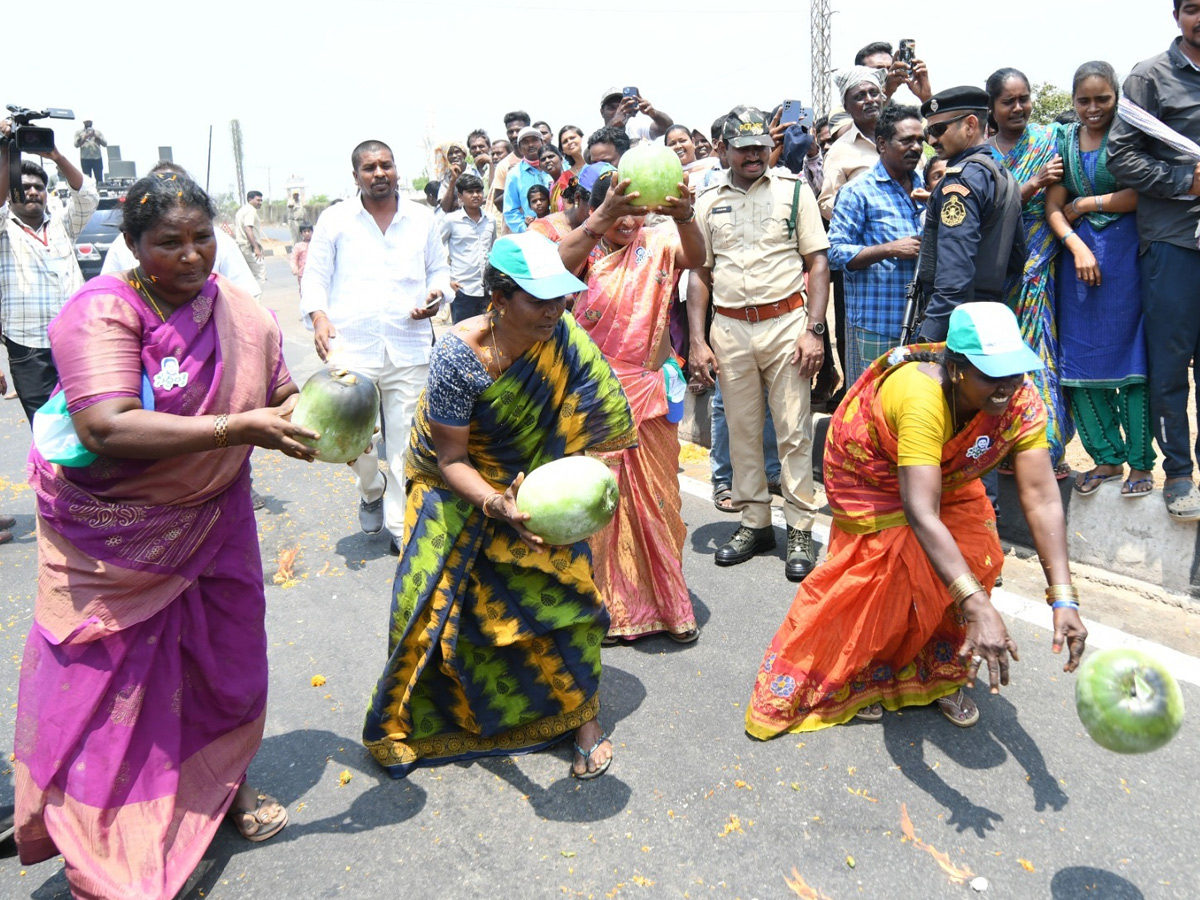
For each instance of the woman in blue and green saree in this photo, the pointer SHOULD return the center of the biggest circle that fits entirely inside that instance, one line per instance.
(494, 636)
(1030, 152)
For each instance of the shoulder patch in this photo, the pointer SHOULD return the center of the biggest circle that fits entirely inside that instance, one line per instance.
(954, 170)
(954, 211)
(960, 189)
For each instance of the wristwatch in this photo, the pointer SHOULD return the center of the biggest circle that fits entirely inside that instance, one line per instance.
(817, 328)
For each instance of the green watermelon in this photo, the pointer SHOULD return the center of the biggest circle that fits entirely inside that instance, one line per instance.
(568, 500)
(342, 407)
(654, 171)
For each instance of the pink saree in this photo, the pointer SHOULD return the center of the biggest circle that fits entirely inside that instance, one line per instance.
(638, 557)
(143, 685)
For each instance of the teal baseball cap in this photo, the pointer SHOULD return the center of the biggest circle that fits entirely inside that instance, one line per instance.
(531, 260)
(988, 335)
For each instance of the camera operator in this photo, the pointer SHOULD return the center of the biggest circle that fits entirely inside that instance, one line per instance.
(38, 271)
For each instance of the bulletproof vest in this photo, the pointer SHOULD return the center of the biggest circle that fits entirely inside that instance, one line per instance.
(994, 258)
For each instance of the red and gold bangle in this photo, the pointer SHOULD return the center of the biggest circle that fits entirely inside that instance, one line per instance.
(588, 231)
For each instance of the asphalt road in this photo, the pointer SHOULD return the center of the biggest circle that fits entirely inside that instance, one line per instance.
(691, 806)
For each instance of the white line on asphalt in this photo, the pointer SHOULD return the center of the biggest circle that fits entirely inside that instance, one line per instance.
(1183, 667)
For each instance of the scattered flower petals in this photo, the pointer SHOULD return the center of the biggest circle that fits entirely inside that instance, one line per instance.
(317, 680)
(344, 778)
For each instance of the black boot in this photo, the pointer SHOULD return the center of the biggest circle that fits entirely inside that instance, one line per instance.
(801, 557)
(745, 543)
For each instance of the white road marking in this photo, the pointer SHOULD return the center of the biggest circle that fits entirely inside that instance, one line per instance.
(1183, 667)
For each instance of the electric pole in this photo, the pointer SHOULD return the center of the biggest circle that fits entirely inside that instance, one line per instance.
(821, 28)
(235, 132)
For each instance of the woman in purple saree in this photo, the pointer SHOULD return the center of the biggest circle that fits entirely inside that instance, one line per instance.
(144, 682)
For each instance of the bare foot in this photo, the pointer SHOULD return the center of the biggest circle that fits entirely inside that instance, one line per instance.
(586, 737)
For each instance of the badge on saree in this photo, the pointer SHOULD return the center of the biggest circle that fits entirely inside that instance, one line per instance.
(954, 211)
(170, 376)
(981, 446)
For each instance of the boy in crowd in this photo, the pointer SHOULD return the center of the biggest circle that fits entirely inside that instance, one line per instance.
(468, 234)
(299, 255)
(539, 202)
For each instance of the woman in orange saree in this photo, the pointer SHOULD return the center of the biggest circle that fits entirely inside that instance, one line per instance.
(638, 557)
(899, 613)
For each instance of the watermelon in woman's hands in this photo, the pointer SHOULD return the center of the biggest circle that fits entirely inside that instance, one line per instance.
(341, 406)
(568, 500)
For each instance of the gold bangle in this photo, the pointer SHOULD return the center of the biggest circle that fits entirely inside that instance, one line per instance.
(221, 431)
(1062, 592)
(488, 499)
(963, 587)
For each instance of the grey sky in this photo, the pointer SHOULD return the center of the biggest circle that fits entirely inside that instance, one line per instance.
(308, 80)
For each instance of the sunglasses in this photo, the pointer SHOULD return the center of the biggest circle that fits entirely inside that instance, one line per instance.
(933, 132)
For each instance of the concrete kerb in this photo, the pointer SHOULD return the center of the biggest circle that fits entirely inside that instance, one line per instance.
(1132, 540)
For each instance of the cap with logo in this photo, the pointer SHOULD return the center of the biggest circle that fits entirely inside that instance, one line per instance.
(988, 335)
(532, 261)
(966, 98)
(746, 126)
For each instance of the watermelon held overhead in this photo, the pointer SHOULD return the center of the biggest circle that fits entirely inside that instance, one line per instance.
(653, 171)
(341, 406)
(568, 500)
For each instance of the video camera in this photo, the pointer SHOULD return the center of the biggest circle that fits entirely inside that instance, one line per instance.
(27, 138)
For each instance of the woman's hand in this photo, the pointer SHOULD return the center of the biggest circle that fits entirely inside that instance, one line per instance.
(1069, 630)
(1086, 267)
(271, 428)
(678, 208)
(987, 641)
(1050, 173)
(505, 509)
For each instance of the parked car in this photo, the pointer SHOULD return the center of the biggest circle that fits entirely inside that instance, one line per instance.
(91, 244)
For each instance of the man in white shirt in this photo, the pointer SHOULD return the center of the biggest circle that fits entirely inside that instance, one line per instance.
(634, 113)
(376, 272)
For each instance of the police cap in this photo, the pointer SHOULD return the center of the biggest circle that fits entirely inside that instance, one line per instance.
(746, 126)
(965, 97)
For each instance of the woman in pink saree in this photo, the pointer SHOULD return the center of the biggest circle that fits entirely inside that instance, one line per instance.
(144, 682)
(630, 269)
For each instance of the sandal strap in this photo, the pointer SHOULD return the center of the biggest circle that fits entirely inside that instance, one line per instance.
(596, 746)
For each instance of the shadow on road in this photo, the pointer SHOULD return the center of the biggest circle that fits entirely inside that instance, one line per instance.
(985, 746)
(1079, 882)
(288, 766)
(568, 799)
(358, 549)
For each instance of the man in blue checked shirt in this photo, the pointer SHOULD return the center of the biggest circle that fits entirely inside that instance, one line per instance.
(875, 236)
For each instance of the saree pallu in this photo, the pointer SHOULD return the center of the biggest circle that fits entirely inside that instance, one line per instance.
(143, 685)
(1032, 295)
(638, 557)
(494, 648)
(874, 623)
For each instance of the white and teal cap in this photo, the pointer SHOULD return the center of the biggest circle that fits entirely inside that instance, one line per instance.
(531, 260)
(988, 335)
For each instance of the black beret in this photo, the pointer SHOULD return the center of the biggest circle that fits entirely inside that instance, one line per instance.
(964, 97)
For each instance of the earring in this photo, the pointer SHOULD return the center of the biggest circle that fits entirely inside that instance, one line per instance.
(502, 314)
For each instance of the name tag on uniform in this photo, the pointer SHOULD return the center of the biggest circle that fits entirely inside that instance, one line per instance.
(721, 209)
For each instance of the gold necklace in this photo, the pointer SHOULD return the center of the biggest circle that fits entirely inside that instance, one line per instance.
(139, 284)
(496, 347)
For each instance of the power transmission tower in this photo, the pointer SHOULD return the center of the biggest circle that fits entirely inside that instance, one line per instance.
(235, 132)
(821, 27)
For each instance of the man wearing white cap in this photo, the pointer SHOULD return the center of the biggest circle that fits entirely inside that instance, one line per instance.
(524, 175)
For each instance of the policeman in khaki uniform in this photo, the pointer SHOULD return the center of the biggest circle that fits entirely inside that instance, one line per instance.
(762, 231)
(973, 240)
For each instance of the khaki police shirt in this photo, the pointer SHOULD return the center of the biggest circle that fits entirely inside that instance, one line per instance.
(746, 242)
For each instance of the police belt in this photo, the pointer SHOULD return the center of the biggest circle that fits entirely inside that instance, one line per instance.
(763, 311)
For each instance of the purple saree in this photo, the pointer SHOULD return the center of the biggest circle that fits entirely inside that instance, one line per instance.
(144, 681)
